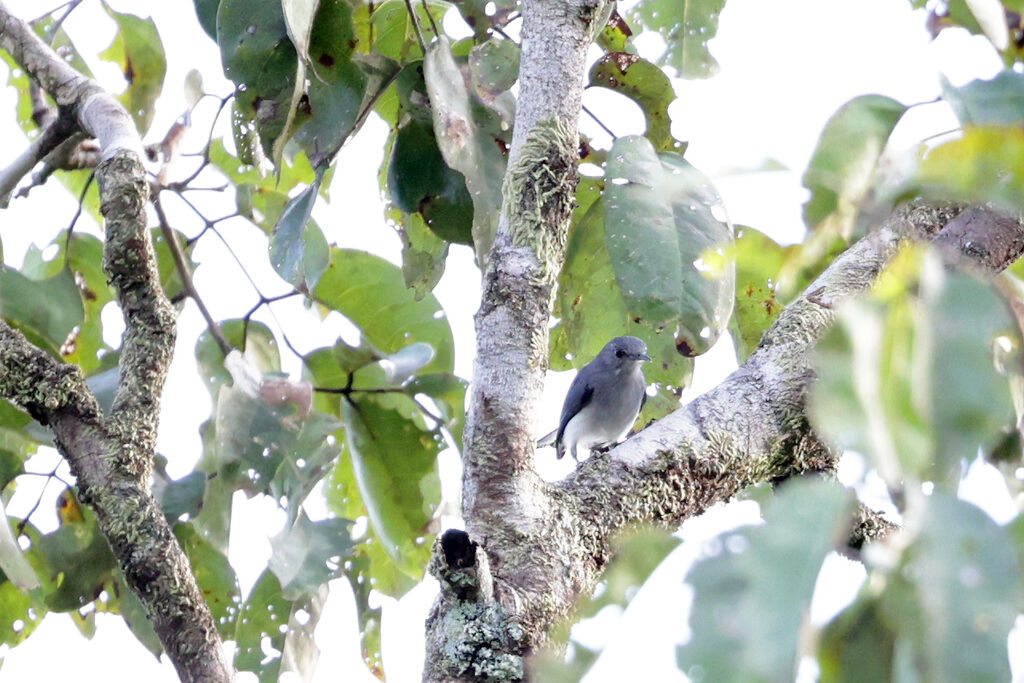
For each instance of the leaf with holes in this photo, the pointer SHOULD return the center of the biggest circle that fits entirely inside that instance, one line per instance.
(671, 255)
(686, 26)
(645, 84)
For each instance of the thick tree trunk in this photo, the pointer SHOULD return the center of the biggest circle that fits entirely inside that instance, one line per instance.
(532, 548)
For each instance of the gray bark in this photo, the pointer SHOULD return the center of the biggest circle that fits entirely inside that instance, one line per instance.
(538, 547)
(112, 455)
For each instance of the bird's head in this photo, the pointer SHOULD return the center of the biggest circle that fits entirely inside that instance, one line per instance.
(626, 350)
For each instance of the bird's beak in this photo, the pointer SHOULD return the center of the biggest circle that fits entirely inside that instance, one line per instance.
(643, 356)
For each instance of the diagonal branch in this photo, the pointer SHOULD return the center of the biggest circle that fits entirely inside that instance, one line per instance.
(111, 456)
(62, 128)
(186, 276)
(151, 560)
(751, 428)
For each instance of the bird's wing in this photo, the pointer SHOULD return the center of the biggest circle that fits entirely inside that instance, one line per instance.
(580, 393)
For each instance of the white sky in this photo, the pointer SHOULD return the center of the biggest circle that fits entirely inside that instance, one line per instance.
(786, 66)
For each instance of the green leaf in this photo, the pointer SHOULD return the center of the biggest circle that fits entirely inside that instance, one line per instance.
(943, 606)
(19, 614)
(857, 645)
(262, 620)
(307, 460)
(15, 449)
(758, 262)
(261, 199)
(394, 465)
(449, 394)
(592, 309)
(482, 15)
(193, 88)
(303, 555)
(254, 338)
(615, 36)
(842, 169)
(258, 55)
(686, 26)
(371, 293)
(464, 142)
(85, 258)
(46, 310)
(181, 498)
(340, 88)
(885, 373)
(124, 602)
(751, 599)
(985, 165)
(955, 594)
(77, 562)
(494, 67)
(400, 366)
(394, 34)
(206, 13)
(266, 451)
(670, 253)
(645, 84)
(139, 52)
(363, 572)
(995, 102)
(420, 182)
(170, 277)
(298, 249)
(423, 254)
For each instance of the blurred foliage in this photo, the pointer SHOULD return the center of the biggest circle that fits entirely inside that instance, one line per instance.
(887, 369)
(908, 378)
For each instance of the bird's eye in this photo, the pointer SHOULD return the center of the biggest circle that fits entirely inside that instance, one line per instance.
(619, 353)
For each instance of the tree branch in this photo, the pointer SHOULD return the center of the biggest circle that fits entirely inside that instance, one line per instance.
(751, 428)
(153, 563)
(111, 456)
(186, 277)
(502, 494)
(62, 128)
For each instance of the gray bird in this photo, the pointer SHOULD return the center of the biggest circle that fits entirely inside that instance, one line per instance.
(604, 399)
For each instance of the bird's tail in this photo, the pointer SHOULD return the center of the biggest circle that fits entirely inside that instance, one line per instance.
(547, 439)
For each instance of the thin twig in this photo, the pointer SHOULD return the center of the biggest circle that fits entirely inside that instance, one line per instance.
(415, 25)
(269, 300)
(42, 492)
(219, 188)
(60, 20)
(345, 391)
(600, 123)
(433, 24)
(74, 219)
(181, 185)
(186, 275)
